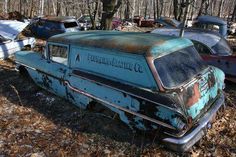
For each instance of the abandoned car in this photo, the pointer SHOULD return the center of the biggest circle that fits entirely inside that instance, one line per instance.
(45, 27)
(212, 23)
(10, 38)
(154, 83)
(213, 48)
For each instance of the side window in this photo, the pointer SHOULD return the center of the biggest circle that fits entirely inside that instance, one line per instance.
(58, 53)
(201, 48)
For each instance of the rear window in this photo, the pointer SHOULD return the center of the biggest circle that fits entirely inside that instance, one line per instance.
(70, 24)
(179, 66)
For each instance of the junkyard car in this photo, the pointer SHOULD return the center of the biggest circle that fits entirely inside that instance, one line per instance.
(152, 82)
(45, 27)
(213, 48)
(211, 23)
(167, 22)
(10, 40)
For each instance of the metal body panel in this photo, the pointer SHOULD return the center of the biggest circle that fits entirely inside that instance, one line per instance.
(10, 47)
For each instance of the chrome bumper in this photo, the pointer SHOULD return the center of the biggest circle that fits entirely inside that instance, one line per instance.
(194, 135)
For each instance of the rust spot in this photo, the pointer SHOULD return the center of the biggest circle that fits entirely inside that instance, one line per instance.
(195, 95)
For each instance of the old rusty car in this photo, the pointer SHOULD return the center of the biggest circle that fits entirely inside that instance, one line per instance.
(211, 23)
(213, 48)
(154, 83)
(45, 27)
(11, 39)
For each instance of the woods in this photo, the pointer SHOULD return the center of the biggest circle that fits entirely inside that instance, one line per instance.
(125, 9)
(105, 10)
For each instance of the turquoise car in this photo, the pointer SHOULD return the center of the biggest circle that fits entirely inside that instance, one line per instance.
(154, 83)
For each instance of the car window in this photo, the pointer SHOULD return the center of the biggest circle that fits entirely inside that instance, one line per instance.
(58, 53)
(70, 24)
(201, 48)
(180, 66)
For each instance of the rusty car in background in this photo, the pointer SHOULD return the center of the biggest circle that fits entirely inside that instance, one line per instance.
(213, 48)
(45, 27)
(11, 39)
(154, 83)
(143, 22)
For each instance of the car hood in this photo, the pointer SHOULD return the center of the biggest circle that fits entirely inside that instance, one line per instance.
(10, 28)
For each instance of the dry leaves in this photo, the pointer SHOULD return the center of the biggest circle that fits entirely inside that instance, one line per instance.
(36, 123)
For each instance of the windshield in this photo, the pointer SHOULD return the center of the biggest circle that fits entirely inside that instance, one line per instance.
(222, 48)
(179, 66)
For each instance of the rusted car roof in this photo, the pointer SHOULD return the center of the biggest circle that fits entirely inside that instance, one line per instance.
(129, 42)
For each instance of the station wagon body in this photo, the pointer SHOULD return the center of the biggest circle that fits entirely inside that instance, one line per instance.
(213, 48)
(154, 83)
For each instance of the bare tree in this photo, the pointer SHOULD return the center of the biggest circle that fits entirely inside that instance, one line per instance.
(110, 7)
(6, 6)
(220, 8)
(201, 7)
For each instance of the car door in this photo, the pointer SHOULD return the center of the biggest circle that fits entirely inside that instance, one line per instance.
(225, 63)
(55, 68)
(207, 55)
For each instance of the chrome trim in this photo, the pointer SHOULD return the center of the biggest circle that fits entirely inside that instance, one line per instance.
(119, 107)
(188, 140)
(25, 65)
(173, 109)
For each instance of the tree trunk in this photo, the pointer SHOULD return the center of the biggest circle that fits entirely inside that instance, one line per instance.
(157, 9)
(162, 6)
(176, 8)
(234, 13)
(6, 6)
(31, 9)
(146, 8)
(20, 6)
(127, 10)
(207, 4)
(193, 9)
(201, 7)
(133, 9)
(110, 7)
(220, 8)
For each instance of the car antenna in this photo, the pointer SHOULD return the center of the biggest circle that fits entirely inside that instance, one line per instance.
(186, 6)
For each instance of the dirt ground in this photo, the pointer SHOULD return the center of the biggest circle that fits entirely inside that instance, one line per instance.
(36, 123)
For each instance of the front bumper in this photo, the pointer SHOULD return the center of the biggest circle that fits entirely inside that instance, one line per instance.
(185, 142)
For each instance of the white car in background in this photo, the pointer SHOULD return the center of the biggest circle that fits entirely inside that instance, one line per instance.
(10, 40)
